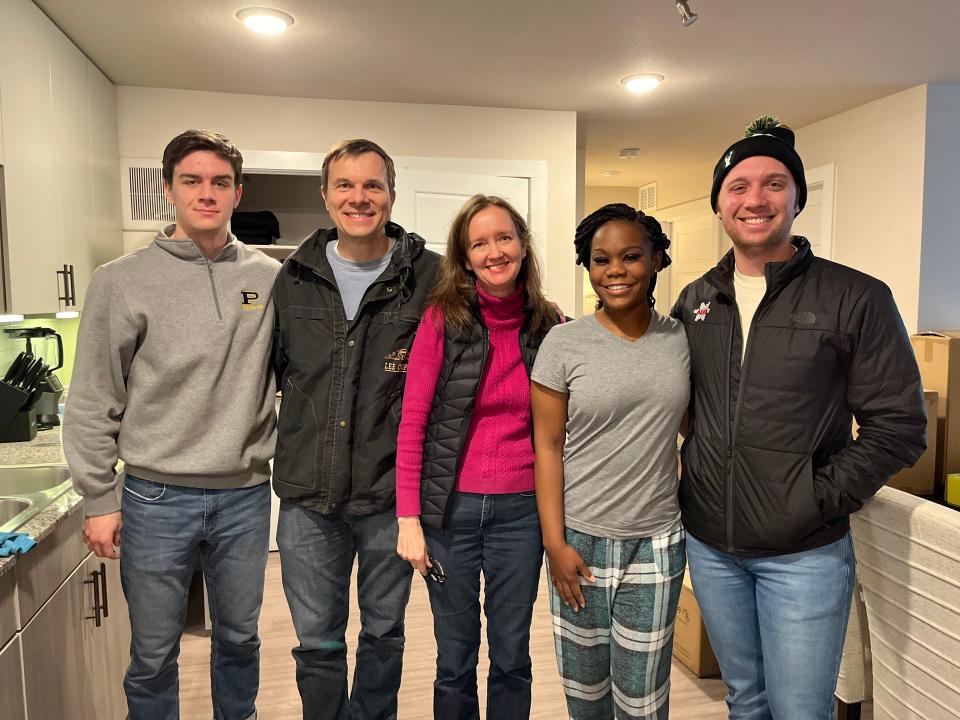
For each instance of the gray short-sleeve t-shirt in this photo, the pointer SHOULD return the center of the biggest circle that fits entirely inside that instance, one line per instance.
(626, 401)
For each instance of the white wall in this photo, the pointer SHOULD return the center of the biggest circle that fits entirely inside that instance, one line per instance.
(149, 117)
(685, 184)
(940, 252)
(878, 149)
(596, 196)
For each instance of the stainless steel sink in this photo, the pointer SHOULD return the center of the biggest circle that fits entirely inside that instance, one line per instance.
(11, 508)
(20, 480)
(26, 490)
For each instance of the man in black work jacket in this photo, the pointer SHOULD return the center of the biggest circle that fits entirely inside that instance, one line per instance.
(348, 302)
(786, 349)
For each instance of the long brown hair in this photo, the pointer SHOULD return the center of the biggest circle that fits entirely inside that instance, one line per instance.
(456, 288)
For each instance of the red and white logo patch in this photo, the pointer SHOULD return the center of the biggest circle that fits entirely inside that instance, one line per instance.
(700, 314)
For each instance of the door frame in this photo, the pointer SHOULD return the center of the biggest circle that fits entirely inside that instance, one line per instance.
(282, 162)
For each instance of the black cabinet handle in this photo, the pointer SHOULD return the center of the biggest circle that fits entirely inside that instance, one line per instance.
(103, 591)
(62, 296)
(95, 581)
(69, 297)
(73, 288)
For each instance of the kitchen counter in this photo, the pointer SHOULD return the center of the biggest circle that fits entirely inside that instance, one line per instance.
(44, 449)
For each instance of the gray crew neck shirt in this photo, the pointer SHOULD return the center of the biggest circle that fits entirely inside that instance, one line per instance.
(353, 278)
(626, 401)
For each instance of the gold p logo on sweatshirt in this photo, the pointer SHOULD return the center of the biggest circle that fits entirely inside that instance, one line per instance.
(250, 298)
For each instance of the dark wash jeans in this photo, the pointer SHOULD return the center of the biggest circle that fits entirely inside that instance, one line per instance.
(498, 535)
(166, 530)
(316, 559)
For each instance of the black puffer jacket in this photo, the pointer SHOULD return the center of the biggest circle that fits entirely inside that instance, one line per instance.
(464, 357)
(769, 465)
(342, 381)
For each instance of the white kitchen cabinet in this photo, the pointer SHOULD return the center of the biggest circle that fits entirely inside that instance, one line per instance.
(60, 141)
(33, 240)
(105, 239)
(1, 126)
(73, 194)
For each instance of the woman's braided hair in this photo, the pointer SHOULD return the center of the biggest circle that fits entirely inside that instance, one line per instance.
(588, 227)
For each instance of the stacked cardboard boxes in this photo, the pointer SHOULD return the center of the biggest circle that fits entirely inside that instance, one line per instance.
(919, 479)
(938, 355)
(691, 646)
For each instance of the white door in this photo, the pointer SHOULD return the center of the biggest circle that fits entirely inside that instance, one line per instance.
(428, 200)
(694, 233)
(816, 221)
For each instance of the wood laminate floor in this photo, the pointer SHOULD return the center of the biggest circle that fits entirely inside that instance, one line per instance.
(691, 698)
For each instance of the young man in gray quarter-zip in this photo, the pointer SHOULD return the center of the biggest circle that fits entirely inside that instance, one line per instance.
(172, 377)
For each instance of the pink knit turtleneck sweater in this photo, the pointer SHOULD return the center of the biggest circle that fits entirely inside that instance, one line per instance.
(498, 457)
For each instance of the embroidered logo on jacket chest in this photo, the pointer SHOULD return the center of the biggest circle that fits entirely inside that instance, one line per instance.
(700, 314)
(396, 361)
(803, 319)
(249, 300)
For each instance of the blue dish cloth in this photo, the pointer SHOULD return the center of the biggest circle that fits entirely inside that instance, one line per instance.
(15, 543)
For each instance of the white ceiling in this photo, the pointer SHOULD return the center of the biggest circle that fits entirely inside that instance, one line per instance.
(801, 60)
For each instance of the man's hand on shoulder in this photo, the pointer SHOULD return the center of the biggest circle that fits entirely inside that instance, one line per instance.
(101, 533)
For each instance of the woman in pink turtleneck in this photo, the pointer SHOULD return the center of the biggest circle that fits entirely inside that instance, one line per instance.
(465, 484)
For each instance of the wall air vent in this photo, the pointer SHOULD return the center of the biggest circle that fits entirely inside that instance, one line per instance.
(648, 197)
(144, 206)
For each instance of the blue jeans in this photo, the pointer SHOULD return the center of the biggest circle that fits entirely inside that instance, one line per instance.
(498, 535)
(777, 626)
(167, 529)
(316, 559)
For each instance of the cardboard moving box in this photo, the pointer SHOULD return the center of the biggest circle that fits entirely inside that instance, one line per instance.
(920, 479)
(691, 646)
(938, 355)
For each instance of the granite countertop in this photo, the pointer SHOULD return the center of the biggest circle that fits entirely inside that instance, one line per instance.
(44, 449)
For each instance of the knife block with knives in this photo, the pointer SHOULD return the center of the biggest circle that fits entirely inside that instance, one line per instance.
(18, 393)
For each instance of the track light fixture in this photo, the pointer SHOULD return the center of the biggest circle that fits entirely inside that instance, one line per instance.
(687, 16)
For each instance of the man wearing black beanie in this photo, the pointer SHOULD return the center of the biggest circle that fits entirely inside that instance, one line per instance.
(786, 350)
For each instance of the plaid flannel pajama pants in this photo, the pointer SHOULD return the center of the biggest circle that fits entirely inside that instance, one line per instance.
(614, 655)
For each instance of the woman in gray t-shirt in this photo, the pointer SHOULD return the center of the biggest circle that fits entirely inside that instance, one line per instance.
(609, 393)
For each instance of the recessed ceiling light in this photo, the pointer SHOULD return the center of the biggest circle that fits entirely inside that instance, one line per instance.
(265, 20)
(67, 314)
(644, 82)
(609, 173)
(629, 153)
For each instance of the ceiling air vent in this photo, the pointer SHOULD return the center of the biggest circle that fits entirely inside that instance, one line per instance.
(144, 206)
(648, 197)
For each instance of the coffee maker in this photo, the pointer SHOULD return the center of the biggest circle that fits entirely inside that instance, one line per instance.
(50, 389)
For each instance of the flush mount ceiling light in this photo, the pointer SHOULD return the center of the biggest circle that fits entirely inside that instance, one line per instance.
(629, 153)
(609, 173)
(687, 16)
(265, 20)
(644, 82)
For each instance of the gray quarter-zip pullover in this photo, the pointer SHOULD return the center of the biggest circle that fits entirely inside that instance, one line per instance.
(172, 371)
